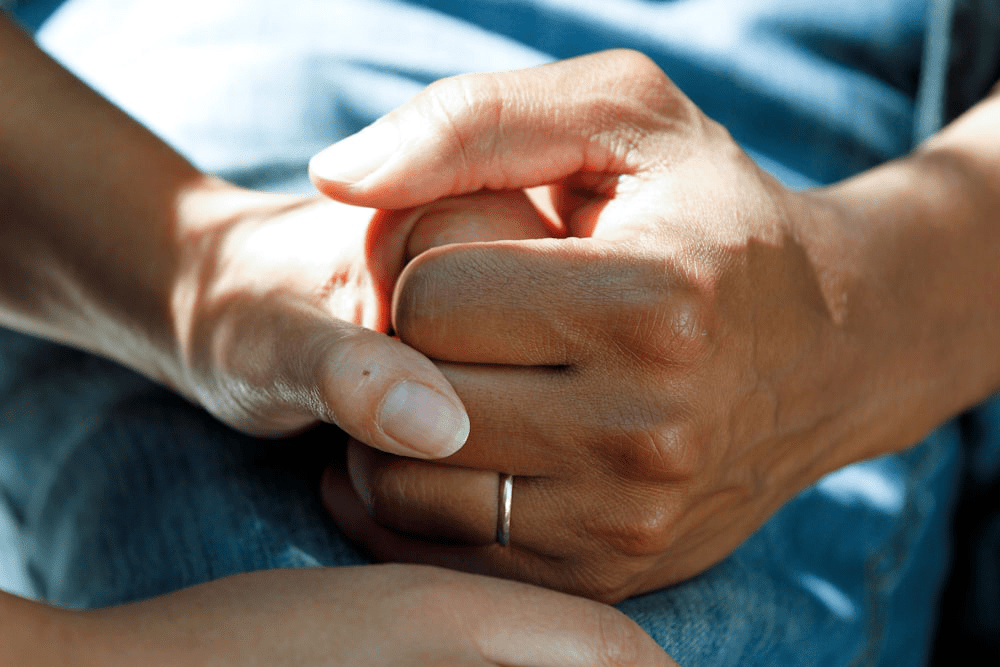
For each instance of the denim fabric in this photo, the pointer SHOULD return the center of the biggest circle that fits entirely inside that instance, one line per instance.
(119, 490)
(974, 56)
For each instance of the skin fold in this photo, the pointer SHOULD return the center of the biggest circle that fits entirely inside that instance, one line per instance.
(263, 309)
(701, 345)
(690, 346)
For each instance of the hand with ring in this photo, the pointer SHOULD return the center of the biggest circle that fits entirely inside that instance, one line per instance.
(648, 390)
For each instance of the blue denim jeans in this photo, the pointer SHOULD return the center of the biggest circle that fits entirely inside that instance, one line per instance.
(117, 489)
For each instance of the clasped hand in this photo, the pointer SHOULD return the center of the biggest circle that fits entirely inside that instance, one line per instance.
(659, 378)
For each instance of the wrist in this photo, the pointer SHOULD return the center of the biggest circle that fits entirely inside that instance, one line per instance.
(37, 635)
(907, 247)
(206, 213)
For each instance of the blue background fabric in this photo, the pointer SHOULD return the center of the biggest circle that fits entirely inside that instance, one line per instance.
(116, 490)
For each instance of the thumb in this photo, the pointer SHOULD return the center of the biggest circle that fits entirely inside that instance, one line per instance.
(282, 371)
(391, 397)
(505, 131)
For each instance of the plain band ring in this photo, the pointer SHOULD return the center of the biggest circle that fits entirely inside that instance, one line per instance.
(503, 510)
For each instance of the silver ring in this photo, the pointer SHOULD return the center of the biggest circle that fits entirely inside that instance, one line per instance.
(503, 510)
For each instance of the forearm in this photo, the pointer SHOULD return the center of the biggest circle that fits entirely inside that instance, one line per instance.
(94, 211)
(34, 634)
(923, 241)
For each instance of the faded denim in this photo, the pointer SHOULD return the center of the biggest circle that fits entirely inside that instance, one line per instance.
(116, 490)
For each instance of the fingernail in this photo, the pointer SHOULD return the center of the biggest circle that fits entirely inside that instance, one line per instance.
(424, 420)
(352, 159)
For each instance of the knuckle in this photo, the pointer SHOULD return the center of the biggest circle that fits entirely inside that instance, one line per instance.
(458, 106)
(687, 334)
(462, 91)
(645, 530)
(638, 65)
(666, 453)
(685, 337)
(638, 526)
(655, 99)
(446, 103)
(664, 320)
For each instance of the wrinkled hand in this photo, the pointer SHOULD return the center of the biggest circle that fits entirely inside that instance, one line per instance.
(659, 385)
(376, 615)
(281, 321)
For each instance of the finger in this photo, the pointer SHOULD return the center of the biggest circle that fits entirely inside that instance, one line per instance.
(291, 364)
(535, 302)
(544, 628)
(442, 503)
(555, 630)
(509, 562)
(553, 302)
(576, 574)
(480, 217)
(433, 501)
(505, 131)
(548, 423)
(538, 627)
(396, 237)
(526, 419)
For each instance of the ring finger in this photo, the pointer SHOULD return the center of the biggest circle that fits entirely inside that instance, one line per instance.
(511, 562)
(445, 503)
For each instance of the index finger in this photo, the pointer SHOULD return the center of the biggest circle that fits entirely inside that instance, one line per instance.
(538, 303)
(508, 130)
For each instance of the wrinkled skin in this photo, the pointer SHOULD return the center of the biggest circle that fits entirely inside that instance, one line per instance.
(281, 321)
(703, 345)
(251, 304)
